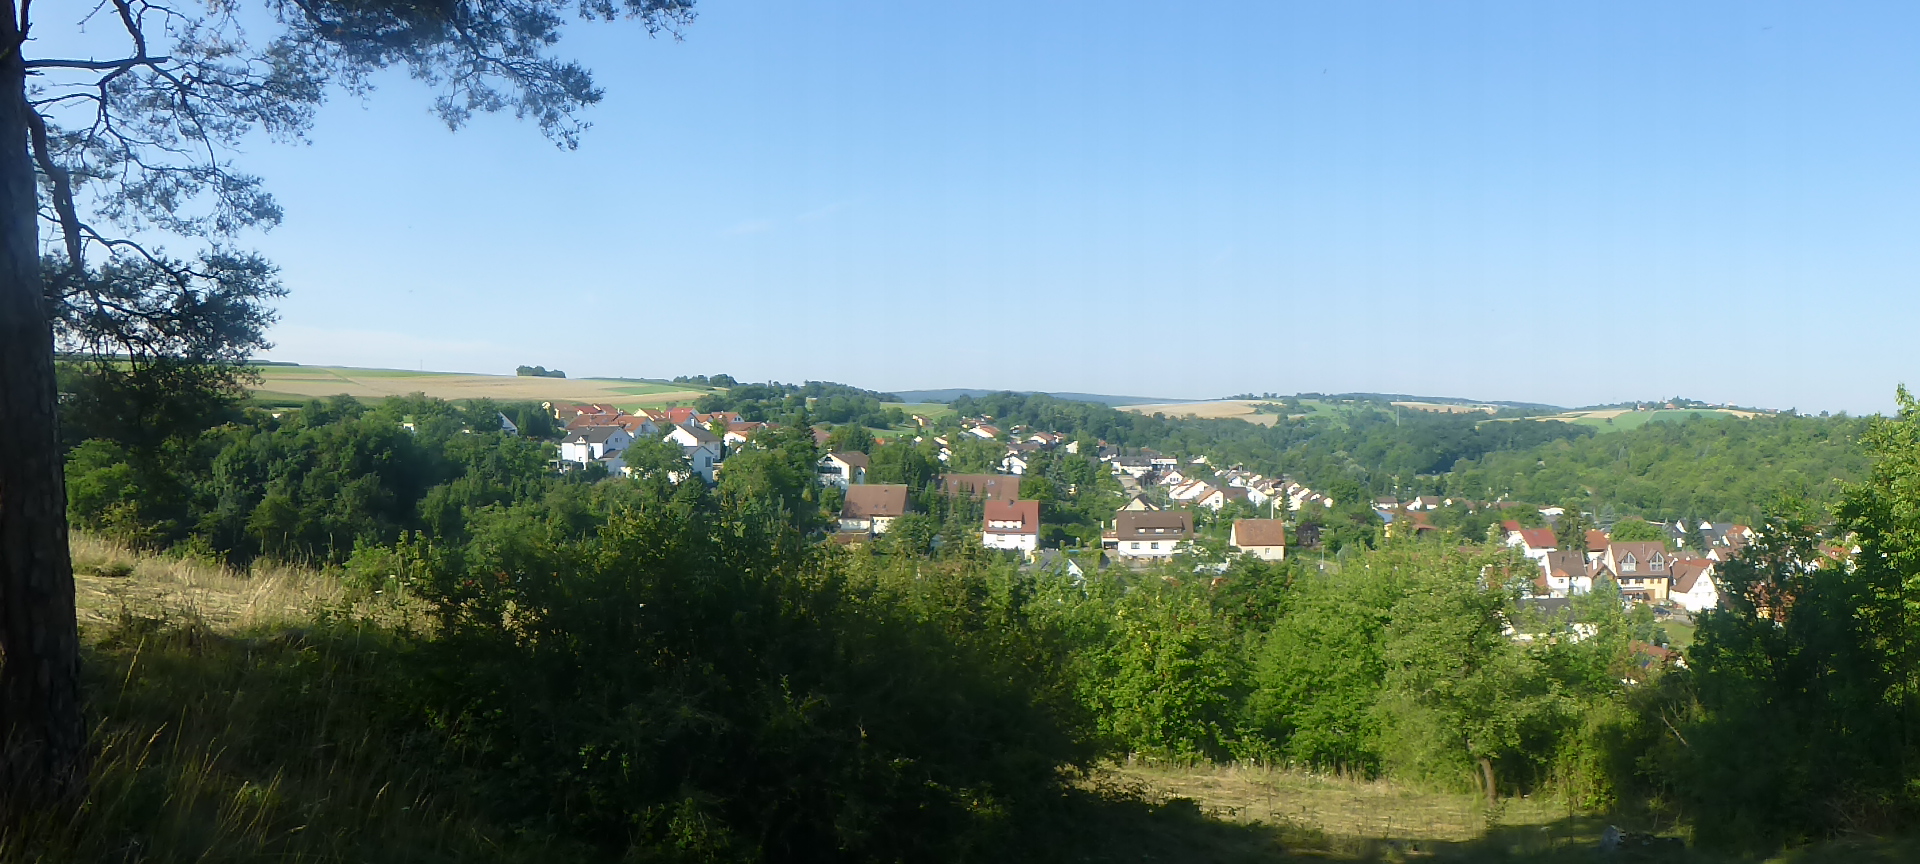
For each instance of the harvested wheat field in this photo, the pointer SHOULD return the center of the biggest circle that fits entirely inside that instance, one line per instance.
(302, 382)
(1241, 409)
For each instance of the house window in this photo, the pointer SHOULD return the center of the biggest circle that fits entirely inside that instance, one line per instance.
(1136, 545)
(1156, 545)
(1657, 565)
(1629, 565)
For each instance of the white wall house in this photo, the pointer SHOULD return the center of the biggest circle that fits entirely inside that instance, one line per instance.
(593, 442)
(1011, 525)
(842, 469)
(1150, 534)
(1694, 587)
(701, 448)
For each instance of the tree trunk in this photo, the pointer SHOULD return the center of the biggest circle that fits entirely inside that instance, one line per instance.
(42, 736)
(1486, 776)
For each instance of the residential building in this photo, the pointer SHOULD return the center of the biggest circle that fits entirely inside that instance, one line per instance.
(1265, 539)
(873, 507)
(842, 469)
(593, 443)
(1564, 573)
(1535, 543)
(1695, 587)
(1218, 497)
(700, 447)
(1643, 569)
(1011, 525)
(1149, 534)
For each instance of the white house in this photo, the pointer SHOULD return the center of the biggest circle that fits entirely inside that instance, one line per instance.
(1694, 585)
(1014, 463)
(1265, 539)
(842, 469)
(702, 450)
(1219, 496)
(1011, 525)
(1564, 574)
(1149, 533)
(1535, 543)
(507, 425)
(593, 442)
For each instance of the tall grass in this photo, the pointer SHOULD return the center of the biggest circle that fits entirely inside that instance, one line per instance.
(237, 717)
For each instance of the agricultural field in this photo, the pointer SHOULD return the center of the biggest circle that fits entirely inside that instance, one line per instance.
(1621, 419)
(1225, 408)
(296, 384)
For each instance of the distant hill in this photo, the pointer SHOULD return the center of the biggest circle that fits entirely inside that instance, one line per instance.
(955, 393)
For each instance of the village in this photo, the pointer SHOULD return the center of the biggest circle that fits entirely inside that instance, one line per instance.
(1160, 496)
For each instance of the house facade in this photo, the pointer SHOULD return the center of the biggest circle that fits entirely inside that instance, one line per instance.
(842, 469)
(872, 508)
(1265, 539)
(1011, 525)
(1149, 534)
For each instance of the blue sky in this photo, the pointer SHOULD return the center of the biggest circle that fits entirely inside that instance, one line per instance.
(1560, 202)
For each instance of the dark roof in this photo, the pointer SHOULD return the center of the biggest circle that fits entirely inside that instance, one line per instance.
(877, 499)
(1027, 513)
(1566, 563)
(856, 459)
(594, 434)
(700, 433)
(1140, 524)
(1259, 532)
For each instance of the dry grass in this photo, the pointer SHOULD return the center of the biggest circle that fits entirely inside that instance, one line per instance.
(1336, 806)
(111, 580)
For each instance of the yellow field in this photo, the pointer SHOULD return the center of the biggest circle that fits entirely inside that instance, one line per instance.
(1228, 408)
(322, 381)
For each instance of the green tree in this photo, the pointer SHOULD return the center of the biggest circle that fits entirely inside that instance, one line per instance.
(1636, 530)
(139, 144)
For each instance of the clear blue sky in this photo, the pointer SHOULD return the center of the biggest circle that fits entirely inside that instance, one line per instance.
(1561, 202)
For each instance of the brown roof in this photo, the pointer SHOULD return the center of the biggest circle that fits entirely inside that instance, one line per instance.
(1688, 571)
(1027, 513)
(1539, 538)
(1140, 524)
(877, 499)
(998, 487)
(1259, 532)
(1596, 540)
(856, 459)
(1228, 493)
(1566, 564)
